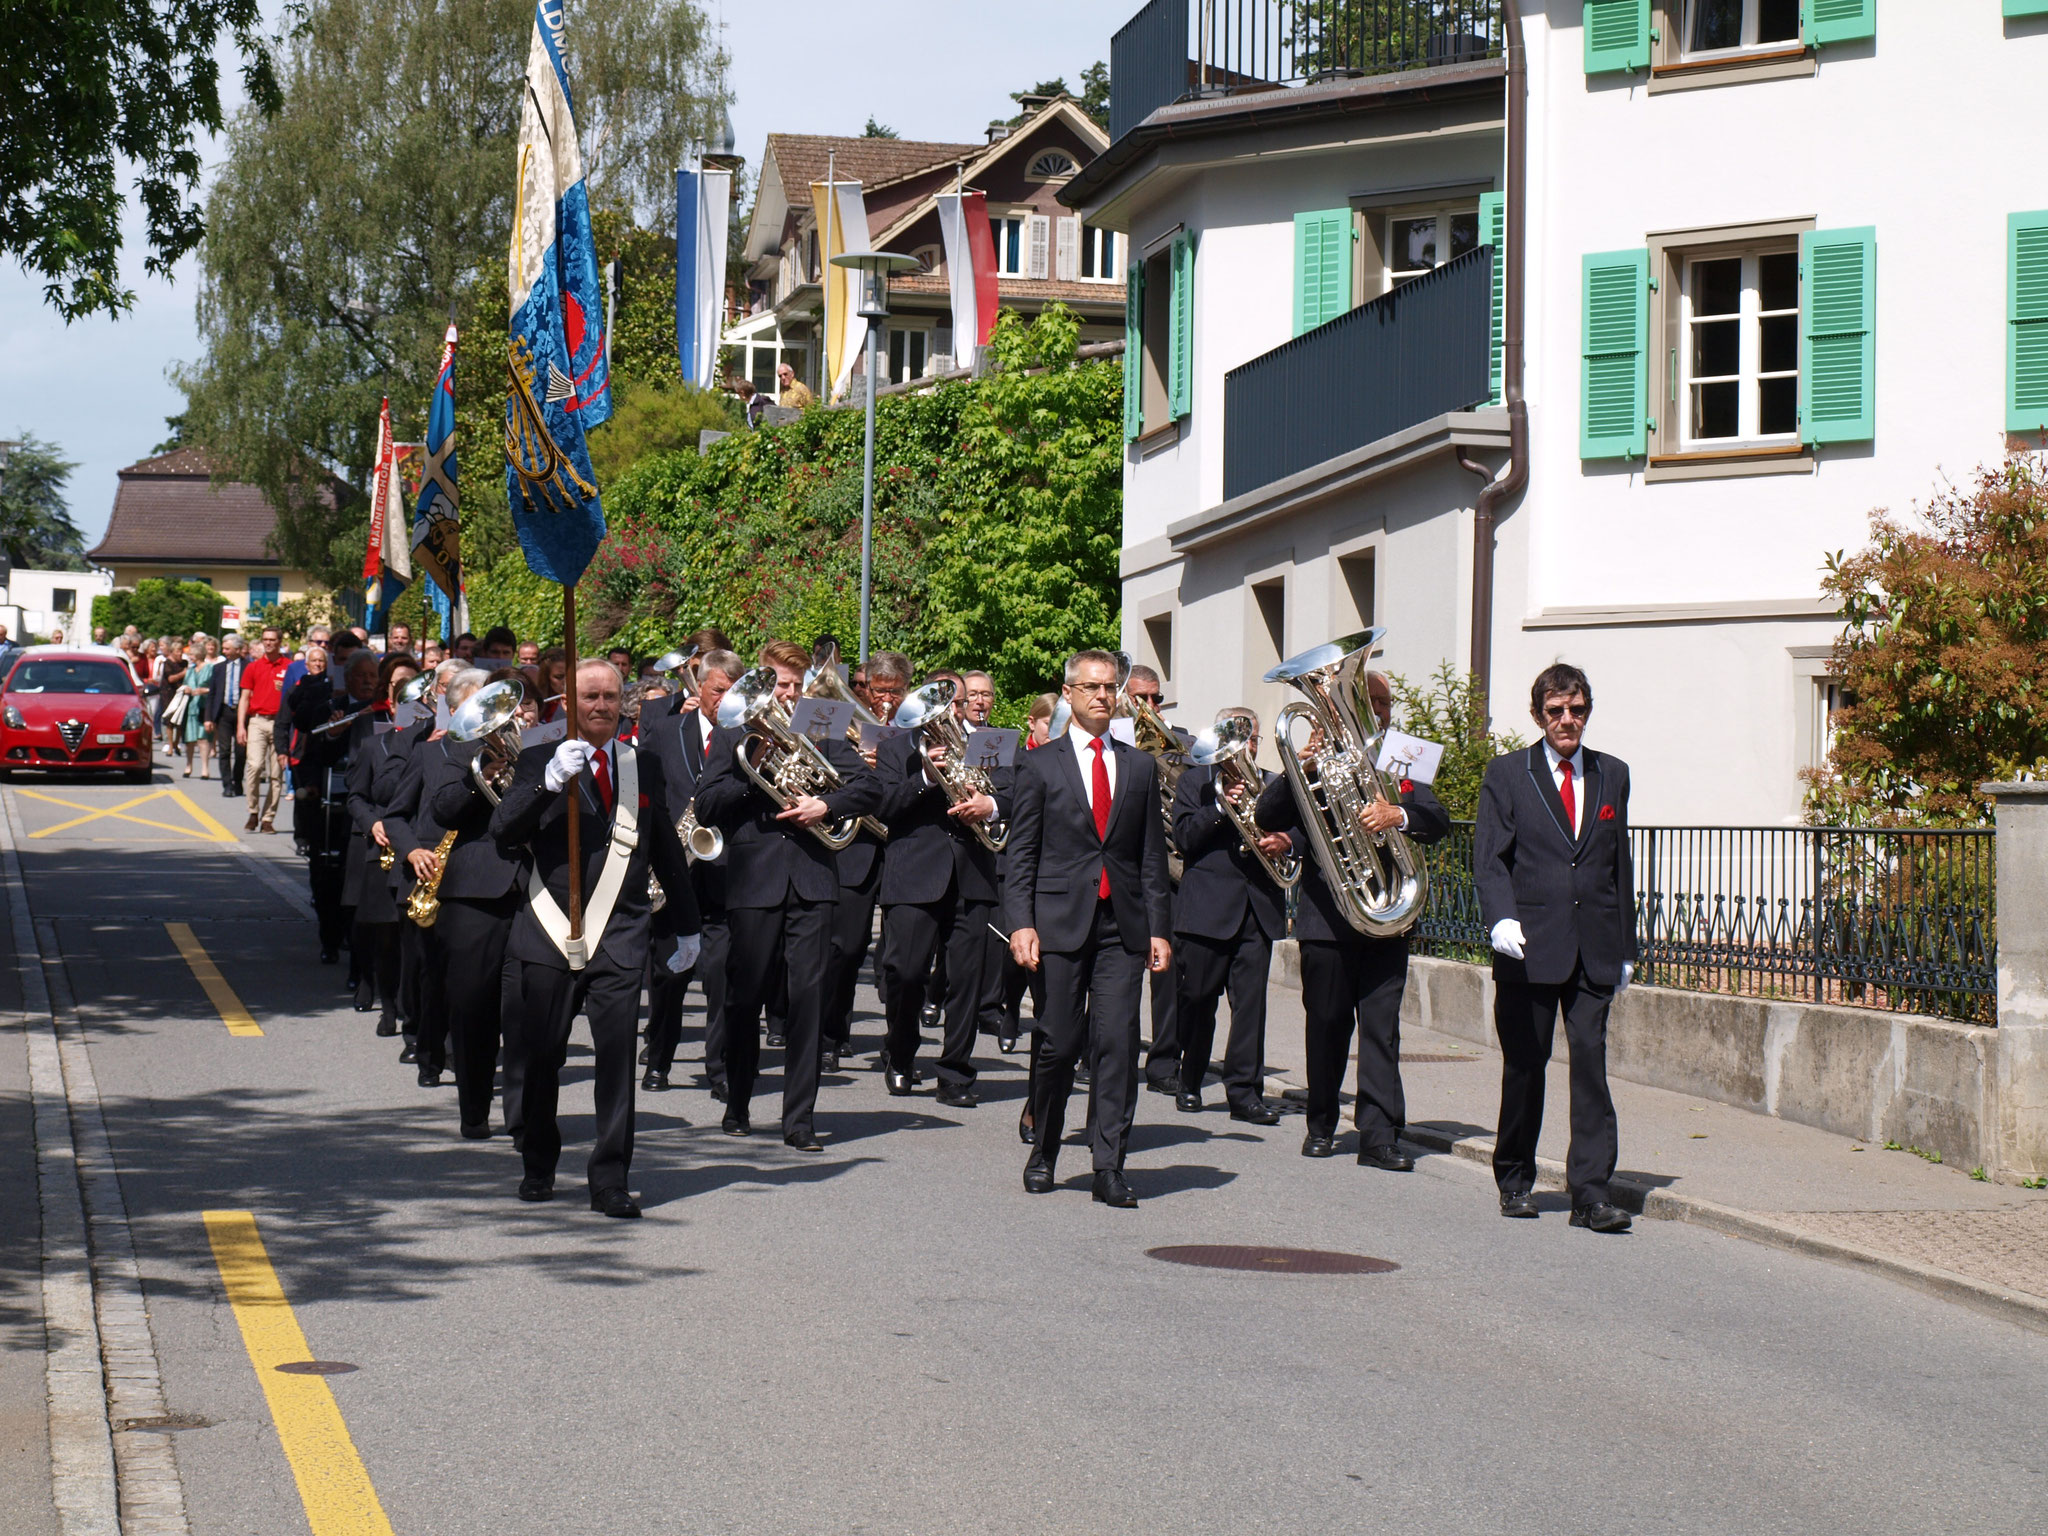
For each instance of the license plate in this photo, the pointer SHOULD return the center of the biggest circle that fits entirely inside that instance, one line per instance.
(109, 739)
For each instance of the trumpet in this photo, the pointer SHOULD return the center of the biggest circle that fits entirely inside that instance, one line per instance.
(1378, 879)
(791, 766)
(1227, 747)
(491, 716)
(929, 712)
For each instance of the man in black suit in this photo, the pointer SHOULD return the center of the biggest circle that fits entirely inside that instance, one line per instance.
(780, 884)
(860, 878)
(938, 893)
(625, 829)
(1085, 895)
(1226, 917)
(1348, 977)
(681, 738)
(218, 710)
(1551, 858)
(1162, 1055)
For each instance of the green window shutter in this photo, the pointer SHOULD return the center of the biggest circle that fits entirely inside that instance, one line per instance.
(1839, 21)
(2026, 352)
(1134, 350)
(1614, 379)
(1493, 231)
(1180, 351)
(1838, 335)
(2026, 7)
(1322, 267)
(1618, 35)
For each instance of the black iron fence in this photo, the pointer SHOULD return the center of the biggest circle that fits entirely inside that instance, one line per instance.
(1405, 357)
(1177, 48)
(1901, 920)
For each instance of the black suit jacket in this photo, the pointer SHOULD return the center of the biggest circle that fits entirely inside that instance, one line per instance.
(477, 869)
(930, 852)
(1317, 917)
(216, 699)
(1574, 897)
(1055, 860)
(1220, 877)
(535, 819)
(767, 861)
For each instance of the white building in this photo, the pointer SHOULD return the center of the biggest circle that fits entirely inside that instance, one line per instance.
(1782, 268)
(33, 603)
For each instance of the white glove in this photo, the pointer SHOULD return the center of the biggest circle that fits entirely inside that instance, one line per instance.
(570, 759)
(1628, 974)
(1507, 938)
(688, 948)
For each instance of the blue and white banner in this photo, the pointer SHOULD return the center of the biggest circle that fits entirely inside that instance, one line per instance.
(561, 382)
(436, 518)
(703, 215)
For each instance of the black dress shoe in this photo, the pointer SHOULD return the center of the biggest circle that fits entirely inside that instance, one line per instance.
(533, 1189)
(387, 1026)
(962, 1097)
(430, 1075)
(645, 1051)
(777, 1042)
(518, 1141)
(828, 1058)
(366, 1004)
(1258, 1112)
(410, 1053)
(1082, 1076)
(615, 1202)
(718, 1092)
(1038, 1175)
(928, 1016)
(736, 1125)
(1313, 1145)
(1110, 1189)
(1026, 1131)
(1188, 1103)
(899, 1082)
(1600, 1217)
(329, 955)
(1387, 1156)
(1007, 1044)
(1162, 1085)
(804, 1140)
(476, 1132)
(1519, 1203)
(655, 1082)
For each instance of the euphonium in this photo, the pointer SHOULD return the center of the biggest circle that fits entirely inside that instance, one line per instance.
(791, 766)
(1377, 878)
(824, 682)
(491, 716)
(929, 712)
(1227, 747)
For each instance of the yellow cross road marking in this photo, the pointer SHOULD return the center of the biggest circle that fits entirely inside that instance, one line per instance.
(332, 1481)
(208, 830)
(237, 1018)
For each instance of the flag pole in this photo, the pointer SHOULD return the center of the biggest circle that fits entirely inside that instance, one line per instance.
(826, 353)
(575, 792)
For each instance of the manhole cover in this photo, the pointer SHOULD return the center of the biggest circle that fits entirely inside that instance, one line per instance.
(1433, 1056)
(1278, 1261)
(314, 1367)
(166, 1421)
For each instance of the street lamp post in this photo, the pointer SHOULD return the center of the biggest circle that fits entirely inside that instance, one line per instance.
(874, 268)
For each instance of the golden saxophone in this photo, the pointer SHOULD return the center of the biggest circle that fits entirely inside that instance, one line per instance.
(423, 906)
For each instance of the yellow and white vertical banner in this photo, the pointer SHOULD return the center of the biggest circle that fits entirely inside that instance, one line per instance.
(842, 226)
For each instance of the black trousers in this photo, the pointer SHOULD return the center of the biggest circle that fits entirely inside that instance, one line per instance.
(543, 1001)
(1525, 1018)
(912, 933)
(1162, 1059)
(1359, 983)
(375, 948)
(1091, 1004)
(233, 755)
(324, 874)
(853, 926)
(665, 1001)
(470, 938)
(421, 988)
(1207, 966)
(801, 931)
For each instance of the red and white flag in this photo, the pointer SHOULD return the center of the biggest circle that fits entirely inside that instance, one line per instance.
(970, 270)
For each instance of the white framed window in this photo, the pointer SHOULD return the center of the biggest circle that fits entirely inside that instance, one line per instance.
(1422, 239)
(1101, 255)
(1012, 246)
(910, 351)
(1714, 27)
(1739, 348)
(1829, 694)
(1052, 165)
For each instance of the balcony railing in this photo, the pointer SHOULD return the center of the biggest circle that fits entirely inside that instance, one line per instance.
(1173, 49)
(1410, 355)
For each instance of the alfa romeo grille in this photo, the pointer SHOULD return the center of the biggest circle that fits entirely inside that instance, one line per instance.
(73, 732)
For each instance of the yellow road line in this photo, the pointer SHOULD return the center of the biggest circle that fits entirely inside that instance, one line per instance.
(333, 1484)
(237, 1018)
(210, 830)
(219, 833)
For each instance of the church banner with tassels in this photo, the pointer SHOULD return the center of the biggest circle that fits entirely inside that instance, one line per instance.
(436, 519)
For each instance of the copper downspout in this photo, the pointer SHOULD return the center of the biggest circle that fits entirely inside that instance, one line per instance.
(1511, 360)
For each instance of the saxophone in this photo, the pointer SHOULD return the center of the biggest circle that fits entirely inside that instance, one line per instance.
(423, 906)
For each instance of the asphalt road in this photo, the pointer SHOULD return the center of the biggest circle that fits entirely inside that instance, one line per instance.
(893, 1337)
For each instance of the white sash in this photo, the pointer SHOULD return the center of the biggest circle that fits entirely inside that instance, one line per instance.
(554, 922)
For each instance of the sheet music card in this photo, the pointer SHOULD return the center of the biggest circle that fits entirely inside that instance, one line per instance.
(991, 747)
(441, 715)
(541, 735)
(1410, 757)
(403, 715)
(873, 733)
(822, 720)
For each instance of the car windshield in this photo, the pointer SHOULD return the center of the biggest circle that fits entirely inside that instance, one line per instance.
(71, 677)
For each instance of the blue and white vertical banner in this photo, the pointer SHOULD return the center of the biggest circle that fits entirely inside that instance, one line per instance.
(703, 215)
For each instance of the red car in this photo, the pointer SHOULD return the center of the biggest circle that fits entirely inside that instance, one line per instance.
(73, 709)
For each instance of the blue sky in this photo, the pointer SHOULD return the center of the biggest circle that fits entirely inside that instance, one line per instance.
(99, 390)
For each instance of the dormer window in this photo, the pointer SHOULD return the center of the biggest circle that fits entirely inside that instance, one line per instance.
(929, 258)
(1052, 165)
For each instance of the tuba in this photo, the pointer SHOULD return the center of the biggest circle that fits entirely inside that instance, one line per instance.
(1227, 747)
(1377, 878)
(929, 712)
(491, 716)
(791, 766)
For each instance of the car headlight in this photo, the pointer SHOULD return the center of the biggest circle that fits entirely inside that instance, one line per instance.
(14, 720)
(132, 721)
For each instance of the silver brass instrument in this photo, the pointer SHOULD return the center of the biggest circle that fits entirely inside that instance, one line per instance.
(791, 766)
(1377, 878)
(1227, 747)
(684, 667)
(1152, 735)
(824, 682)
(491, 716)
(929, 712)
(414, 688)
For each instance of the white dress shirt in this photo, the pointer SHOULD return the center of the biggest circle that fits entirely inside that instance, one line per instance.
(1084, 759)
(1578, 762)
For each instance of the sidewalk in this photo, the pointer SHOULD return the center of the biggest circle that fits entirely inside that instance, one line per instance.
(1770, 1180)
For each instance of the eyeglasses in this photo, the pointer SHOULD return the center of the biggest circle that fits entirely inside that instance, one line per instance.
(1093, 687)
(1559, 711)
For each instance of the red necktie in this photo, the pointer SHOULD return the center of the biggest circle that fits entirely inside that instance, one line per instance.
(1571, 800)
(601, 768)
(1101, 792)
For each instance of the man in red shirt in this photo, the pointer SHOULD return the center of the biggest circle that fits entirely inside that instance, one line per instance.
(255, 728)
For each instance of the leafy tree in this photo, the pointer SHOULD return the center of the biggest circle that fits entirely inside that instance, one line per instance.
(875, 130)
(1095, 92)
(35, 524)
(1448, 708)
(159, 607)
(90, 83)
(345, 230)
(1944, 659)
